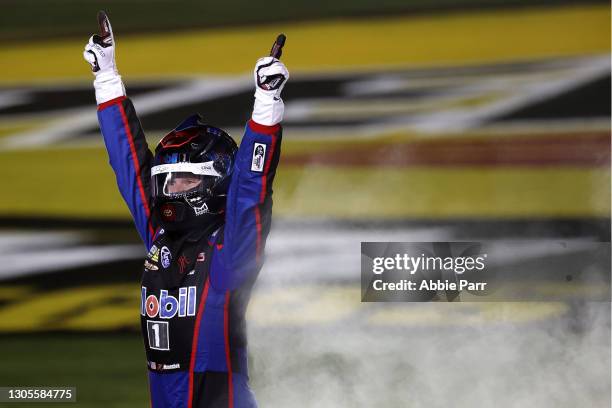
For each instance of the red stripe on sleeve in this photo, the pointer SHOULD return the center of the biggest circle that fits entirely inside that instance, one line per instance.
(264, 179)
(266, 130)
(112, 102)
(262, 197)
(143, 196)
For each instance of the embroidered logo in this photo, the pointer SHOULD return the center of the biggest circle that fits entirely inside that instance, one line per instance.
(183, 261)
(153, 254)
(166, 257)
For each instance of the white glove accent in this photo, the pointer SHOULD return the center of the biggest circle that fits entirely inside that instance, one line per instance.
(108, 86)
(270, 76)
(100, 54)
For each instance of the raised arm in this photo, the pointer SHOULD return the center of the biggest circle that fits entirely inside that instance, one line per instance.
(249, 200)
(124, 138)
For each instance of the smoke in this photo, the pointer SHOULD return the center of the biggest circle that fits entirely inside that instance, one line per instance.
(461, 355)
(314, 344)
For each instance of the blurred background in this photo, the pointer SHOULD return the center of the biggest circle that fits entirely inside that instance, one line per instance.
(406, 120)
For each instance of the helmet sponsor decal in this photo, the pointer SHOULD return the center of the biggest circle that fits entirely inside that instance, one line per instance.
(166, 257)
(202, 169)
(259, 157)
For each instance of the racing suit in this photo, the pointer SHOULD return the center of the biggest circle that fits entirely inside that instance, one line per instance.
(196, 286)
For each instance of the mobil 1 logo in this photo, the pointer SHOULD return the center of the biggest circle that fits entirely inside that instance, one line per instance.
(157, 332)
(165, 307)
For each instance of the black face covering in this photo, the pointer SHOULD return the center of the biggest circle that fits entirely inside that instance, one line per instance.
(180, 217)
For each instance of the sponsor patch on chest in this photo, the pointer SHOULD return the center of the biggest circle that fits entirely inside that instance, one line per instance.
(166, 256)
(153, 254)
(168, 306)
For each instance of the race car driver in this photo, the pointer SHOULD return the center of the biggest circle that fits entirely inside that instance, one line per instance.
(203, 207)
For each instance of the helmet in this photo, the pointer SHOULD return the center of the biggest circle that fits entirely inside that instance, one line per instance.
(191, 173)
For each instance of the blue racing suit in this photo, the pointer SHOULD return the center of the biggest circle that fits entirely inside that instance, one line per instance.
(196, 287)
